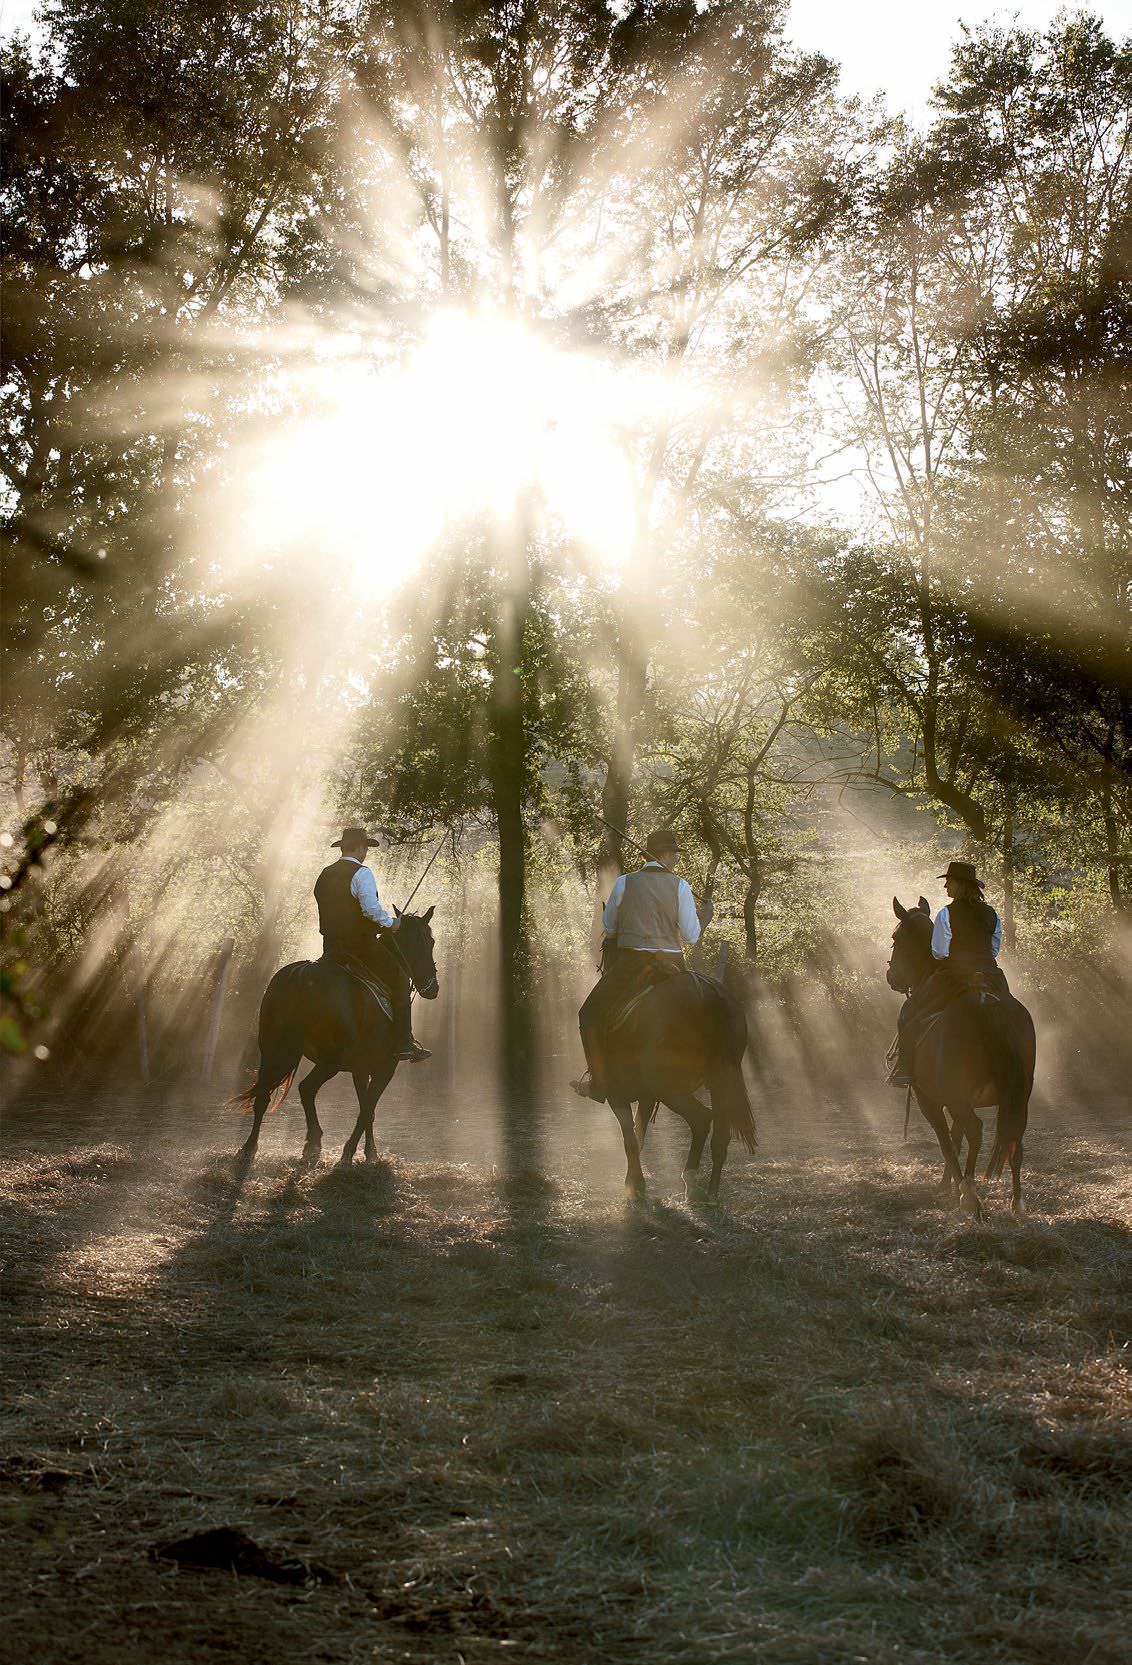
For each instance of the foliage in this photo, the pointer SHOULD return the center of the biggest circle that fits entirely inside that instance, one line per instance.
(198, 203)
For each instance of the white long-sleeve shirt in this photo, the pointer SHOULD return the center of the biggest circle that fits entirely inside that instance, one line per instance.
(687, 918)
(363, 888)
(941, 935)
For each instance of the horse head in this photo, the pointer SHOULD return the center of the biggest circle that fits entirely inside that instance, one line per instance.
(911, 945)
(415, 943)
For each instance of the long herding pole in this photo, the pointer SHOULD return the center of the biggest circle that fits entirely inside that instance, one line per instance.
(424, 875)
(640, 849)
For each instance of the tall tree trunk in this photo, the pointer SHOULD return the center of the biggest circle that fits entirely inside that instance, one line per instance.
(632, 678)
(1112, 839)
(509, 745)
(1008, 863)
(750, 921)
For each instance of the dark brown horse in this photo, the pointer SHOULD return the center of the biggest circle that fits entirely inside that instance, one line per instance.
(687, 1032)
(978, 1053)
(315, 1009)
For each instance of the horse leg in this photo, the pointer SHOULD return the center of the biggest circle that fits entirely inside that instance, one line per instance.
(1016, 1176)
(972, 1129)
(698, 1118)
(262, 1099)
(377, 1085)
(634, 1173)
(308, 1090)
(936, 1117)
(720, 1140)
(645, 1110)
(365, 1112)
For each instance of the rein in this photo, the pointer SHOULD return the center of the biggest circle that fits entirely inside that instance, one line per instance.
(391, 940)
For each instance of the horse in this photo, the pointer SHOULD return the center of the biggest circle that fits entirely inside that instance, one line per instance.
(979, 1053)
(316, 1009)
(684, 1032)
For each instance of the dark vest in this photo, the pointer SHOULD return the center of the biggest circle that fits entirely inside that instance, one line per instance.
(345, 928)
(972, 931)
(649, 915)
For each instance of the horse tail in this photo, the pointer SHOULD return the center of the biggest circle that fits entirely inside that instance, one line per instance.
(1013, 1080)
(730, 1101)
(280, 1043)
(266, 1081)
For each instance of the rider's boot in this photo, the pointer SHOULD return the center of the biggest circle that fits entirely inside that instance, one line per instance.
(409, 1051)
(591, 1084)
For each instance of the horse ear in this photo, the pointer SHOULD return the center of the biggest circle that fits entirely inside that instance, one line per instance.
(924, 905)
(425, 917)
(901, 913)
(396, 910)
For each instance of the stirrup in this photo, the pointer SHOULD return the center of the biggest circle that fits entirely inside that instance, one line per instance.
(584, 1087)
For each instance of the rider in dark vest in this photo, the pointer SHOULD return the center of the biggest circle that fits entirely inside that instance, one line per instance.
(649, 919)
(966, 938)
(353, 922)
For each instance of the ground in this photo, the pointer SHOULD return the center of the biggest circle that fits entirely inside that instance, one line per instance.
(832, 1422)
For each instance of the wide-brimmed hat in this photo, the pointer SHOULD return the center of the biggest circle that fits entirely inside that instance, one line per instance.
(665, 839)
(964, 871)
(354, 835)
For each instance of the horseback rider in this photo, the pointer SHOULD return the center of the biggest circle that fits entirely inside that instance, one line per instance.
(649, 919)
(357, 928)
(966, 939)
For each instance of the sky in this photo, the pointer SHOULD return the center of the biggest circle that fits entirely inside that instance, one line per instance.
(902, 49)
(890, 46)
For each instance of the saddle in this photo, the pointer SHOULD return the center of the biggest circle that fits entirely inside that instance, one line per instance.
(373, 985)
(658, 972)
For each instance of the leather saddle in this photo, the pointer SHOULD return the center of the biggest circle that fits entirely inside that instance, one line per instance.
(373, 985)
(659, 975)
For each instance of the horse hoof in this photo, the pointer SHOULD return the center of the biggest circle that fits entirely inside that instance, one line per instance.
(310, 1159)
(969, 1202)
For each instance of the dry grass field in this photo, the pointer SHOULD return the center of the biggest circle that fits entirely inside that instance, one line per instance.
(831, 1422)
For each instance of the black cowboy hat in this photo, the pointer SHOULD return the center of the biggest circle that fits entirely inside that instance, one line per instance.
(964, 871)
(354, 835)
(663, 840)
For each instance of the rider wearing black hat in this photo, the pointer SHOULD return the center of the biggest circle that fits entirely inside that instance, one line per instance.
(648, 921)
(966, 938)
(353, 922)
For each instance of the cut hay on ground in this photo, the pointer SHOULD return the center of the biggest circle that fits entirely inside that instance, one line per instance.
(833, 1423)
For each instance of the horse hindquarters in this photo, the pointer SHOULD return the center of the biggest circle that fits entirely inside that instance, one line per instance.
(1009, 1040)
(280, 1039)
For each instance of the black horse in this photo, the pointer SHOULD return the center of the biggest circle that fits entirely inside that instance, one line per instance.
(977, 1054)
(687, 1031)
(315, 1009)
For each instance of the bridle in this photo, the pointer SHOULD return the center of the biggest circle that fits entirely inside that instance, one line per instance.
(909, 947)
(427, 991)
